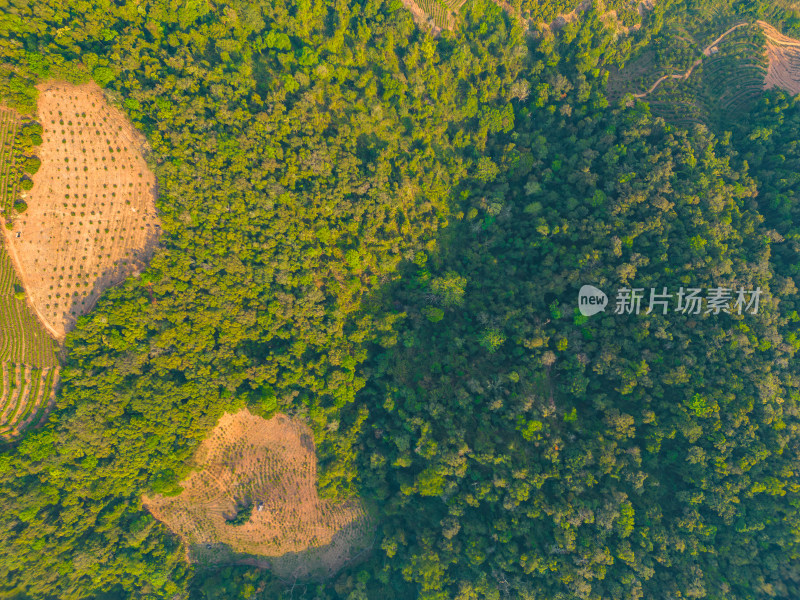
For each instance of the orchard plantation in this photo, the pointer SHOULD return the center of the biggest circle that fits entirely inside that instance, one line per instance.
(381, 232)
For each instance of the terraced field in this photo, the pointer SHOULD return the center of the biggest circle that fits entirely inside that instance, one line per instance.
(723, 86)
(437, 14)
(734, 76)
(9, 123)
(22, 337)
(28, 365)
(28, 394)
(444, 12)
(783, 53)
(705, 77)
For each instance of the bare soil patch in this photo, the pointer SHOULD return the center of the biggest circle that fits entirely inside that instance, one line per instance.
(421, 18)
(435, 15)
(783, 53)
(269, 469)
(564, 19)
(91, 219)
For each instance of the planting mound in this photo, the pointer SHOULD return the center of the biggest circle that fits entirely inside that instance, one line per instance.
(784, 60)
(90, 219)
(253, 500)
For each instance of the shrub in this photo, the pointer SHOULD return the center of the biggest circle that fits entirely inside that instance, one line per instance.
(242, 516)
(34, 128)
(492, 339)
(103, 76)
(32, 165)
(434, 314)
(32, 134)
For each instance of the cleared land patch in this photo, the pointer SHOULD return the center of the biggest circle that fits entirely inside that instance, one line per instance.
(434, 14)
(253, 500)
(90, 219)
(783, 54)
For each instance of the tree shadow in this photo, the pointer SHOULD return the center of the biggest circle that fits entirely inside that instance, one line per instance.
(122, 269)
(347, 548)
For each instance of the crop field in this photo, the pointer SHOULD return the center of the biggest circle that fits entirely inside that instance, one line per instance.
(446, 11)
(90, 219)
(28, 364)
(27, 395)
(253, 500)
(22, 337)
(622, 15)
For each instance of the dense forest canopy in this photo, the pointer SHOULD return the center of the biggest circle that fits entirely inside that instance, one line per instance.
(383, 232)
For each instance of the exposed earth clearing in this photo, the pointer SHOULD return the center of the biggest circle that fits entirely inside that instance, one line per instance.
(783, 53)
(263, 474)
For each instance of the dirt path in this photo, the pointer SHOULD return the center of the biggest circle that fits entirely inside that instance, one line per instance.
(706, 52)
(665, 77)
(775, 36)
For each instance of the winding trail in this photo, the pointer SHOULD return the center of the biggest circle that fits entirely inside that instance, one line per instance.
(706, 52)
